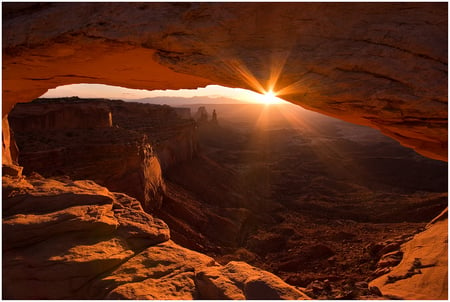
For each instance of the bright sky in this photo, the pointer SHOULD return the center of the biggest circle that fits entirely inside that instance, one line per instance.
(114, 92)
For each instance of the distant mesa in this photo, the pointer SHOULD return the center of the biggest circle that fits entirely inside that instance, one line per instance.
(61, 113)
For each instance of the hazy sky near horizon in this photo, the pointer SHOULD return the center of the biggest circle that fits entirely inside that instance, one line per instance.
(115, 92)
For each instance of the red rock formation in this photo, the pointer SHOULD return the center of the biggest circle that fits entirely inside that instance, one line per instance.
(74, 137)
(120, 159)
(67, 239)
(9, 148)
(378, 64)
(61, 115)
(423, 271)
(172, 137)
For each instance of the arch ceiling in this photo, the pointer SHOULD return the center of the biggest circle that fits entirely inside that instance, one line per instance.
(378, 64)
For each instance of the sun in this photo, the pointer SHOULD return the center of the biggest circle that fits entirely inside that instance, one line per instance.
(269, 98)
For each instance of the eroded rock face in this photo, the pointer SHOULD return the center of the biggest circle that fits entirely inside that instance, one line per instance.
(173, 136)
(9, 148)
(53, 115)
(68, 239)
(121, 160)
(382, 65)
(123, 146)
(378, 64)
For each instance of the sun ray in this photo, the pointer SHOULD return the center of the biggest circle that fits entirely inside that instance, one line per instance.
(245, 74)
(276, 68)
(294, 88)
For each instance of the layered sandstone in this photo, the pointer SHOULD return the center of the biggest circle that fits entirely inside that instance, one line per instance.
(68, 239)
(171, 133)
(75, 137)
(70, 114)
(120, 159)
(10, 152)
(378, 64)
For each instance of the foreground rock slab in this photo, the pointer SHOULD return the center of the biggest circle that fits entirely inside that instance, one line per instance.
(60, 234)
(423, 271)
(66, 239)
(168, 271)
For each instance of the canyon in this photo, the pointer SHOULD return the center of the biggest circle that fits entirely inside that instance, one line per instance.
(94, 243)
(383, 65)
(221, 199)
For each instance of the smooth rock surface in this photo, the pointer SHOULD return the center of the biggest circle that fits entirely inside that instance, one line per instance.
(378, 64)
(423, 271)
(247, 282)
(168, 271)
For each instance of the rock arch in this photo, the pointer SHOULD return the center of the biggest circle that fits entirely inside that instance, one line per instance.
(378, 64)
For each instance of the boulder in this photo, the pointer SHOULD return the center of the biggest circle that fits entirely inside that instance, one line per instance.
(238, 280)
(59, 235)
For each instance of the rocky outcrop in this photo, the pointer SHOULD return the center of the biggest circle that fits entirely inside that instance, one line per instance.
(196, 276)
(66, 239)
(423, 270)
(59, 115)
(58, 235)
(378, 64)
(10, 152)
(75, 137)
(116, 158)
(172, 136)
(183, 112)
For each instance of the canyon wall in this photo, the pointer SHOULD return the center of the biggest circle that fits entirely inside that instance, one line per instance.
(378, 64)
(123, 146)
(61, 115)
(9, 148)
(172, 135)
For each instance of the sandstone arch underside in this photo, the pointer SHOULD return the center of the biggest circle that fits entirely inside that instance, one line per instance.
(378, 64)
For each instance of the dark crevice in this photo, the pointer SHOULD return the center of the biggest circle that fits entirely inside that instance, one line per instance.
(61, 76)
(376, 75)
(415, 269)
(403, 50)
